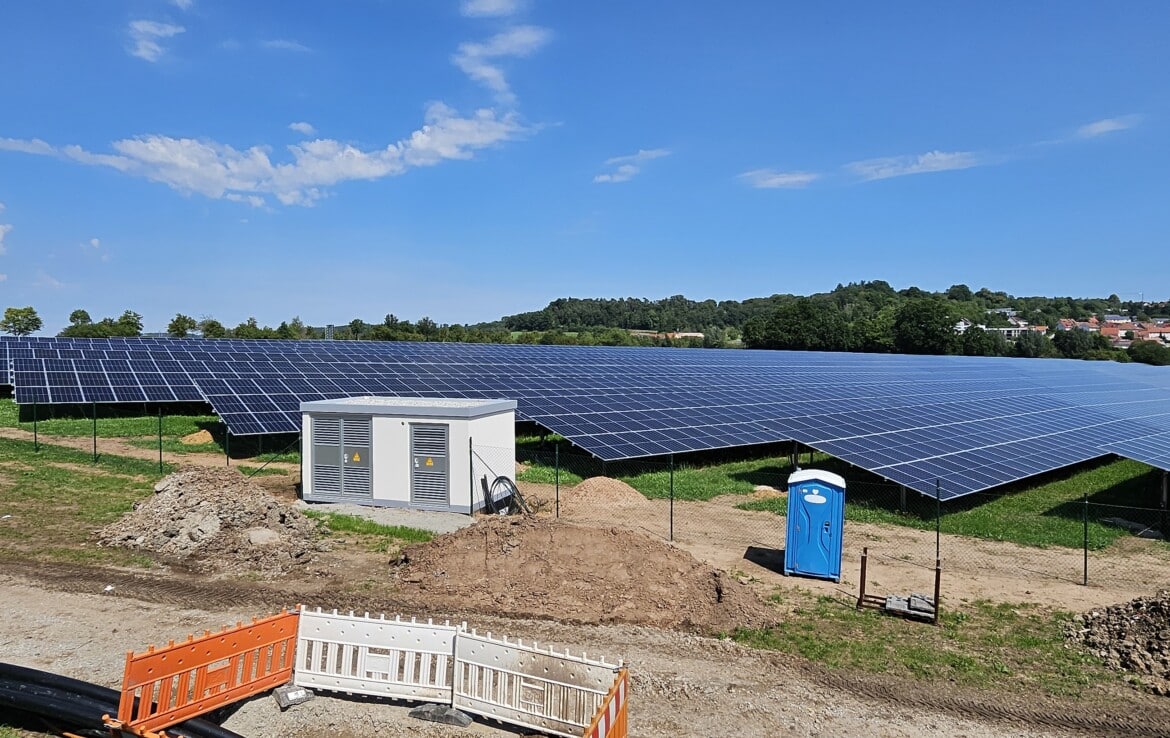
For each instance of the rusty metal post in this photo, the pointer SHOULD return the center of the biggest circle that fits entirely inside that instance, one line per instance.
(861, 595)
(937, 588)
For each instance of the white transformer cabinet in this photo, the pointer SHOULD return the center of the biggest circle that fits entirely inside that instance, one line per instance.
(404, 451)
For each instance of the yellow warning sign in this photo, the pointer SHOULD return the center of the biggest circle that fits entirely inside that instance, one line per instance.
(357, 457)
(430, 461)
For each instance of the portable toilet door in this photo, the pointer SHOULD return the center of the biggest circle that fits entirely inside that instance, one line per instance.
(816, 519)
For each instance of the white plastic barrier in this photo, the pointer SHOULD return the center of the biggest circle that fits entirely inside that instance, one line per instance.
(401, 659)
(524, 685)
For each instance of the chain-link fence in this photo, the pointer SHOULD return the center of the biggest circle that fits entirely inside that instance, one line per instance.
(741, 505)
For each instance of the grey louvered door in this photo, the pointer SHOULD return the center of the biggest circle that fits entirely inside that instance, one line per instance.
(355, 457)
(326, 456)
(429, 480)
(341, 457)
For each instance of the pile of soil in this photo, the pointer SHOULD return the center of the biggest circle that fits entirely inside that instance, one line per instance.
(536, 567)
(1133, 636)
(599, 494)
(198, 438)
(215, 520)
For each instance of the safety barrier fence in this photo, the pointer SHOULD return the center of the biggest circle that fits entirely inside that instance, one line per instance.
(165, 686)
(612, 718)
(499, 678)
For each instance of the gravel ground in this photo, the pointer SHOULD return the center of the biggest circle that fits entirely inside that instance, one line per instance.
(682, 685)
(438, 522)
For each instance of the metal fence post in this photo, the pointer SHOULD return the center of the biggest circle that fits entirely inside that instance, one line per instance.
(160, 461)
(36, 440)
(1085, 526)
(95, 432)
(1165, 526)
(471, 477)
(227, 446)
(937, 519)
(672, 497)
(557, 476)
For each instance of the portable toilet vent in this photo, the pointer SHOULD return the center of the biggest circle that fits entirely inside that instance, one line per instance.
(404, 451)
(816, 519)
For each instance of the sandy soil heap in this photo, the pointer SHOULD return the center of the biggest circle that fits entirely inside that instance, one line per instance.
(197, 438)
(595, 494)
(544, 568)
(217, 521)
(1134, 636)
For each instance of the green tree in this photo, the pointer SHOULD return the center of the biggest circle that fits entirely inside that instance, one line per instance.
(1078, 344)
(976, 341)
(1034, 345)
(924, 325)
(1149, 352)
(129, 323)
(212, 328)
(181, 326)
(20, 321)
(80, 317)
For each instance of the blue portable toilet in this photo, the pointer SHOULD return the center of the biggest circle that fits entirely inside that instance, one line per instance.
(816, 519)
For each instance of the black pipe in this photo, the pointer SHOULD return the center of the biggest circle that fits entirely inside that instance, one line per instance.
(103, 699)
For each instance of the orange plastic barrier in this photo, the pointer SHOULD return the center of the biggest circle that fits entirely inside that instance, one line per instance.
(168, 685)
(612, 717)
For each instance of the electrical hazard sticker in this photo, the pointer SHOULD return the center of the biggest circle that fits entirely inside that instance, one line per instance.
(430, 461)
(357, 457)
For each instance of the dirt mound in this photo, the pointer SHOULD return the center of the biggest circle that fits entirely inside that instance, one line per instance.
(1133, 636)
(197, 438)
(216, 521)
(600, 493)
(544, 568)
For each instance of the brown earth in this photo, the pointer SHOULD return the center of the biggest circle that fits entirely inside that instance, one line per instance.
(1131, 636)
(197, 438)
(542, 568)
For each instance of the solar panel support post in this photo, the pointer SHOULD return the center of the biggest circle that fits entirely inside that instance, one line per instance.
(938, 519)
(1085, 541)
(902, 499)
(672, 497)
(95, 432)
(1165, 527)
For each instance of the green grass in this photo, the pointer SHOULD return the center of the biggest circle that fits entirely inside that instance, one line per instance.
(58, 497)
(1048, 514)
(378, 537)
(983, 645)
(107, 427)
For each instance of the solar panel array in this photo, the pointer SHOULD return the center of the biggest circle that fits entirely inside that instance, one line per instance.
(970, 423)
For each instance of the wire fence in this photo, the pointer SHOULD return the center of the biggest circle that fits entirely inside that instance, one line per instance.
(742, 505)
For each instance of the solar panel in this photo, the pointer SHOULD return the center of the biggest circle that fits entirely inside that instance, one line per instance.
(970, 423)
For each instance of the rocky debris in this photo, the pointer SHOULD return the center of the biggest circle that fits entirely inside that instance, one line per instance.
(1133, 636)
(537, 567)
(217, 521)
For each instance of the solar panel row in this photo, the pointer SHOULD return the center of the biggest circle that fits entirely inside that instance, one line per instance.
(971, 423)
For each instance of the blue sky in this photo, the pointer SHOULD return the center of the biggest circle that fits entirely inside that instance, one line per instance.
(464, 160)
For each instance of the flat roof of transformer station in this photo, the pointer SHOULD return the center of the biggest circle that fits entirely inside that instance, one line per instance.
(414, 407)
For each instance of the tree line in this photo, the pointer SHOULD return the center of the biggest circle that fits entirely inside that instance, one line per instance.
(859, 317)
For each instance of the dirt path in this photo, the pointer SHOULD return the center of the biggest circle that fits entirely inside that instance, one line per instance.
(118, 447)
(751, 543)
(683, 685)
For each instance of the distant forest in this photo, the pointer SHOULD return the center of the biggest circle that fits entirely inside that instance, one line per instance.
(864, 316)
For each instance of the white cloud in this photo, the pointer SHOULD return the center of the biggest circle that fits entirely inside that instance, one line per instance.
(93, 243)
(3, 207)
(3, 277)
(900, 166)
(770, 179)
(302, 127)
(220, 171)
(284, 44)
(489, 8)
(1107, 125)
(44, 279)
(629, 165)
(183, 4)
(26, 146)
(145, 36)
(475, 59)
(4, 231)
